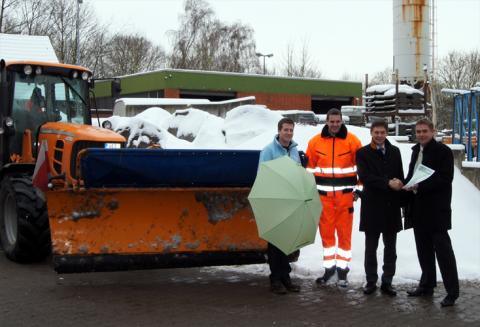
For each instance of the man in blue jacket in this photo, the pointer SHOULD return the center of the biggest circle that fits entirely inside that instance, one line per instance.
(280, 269)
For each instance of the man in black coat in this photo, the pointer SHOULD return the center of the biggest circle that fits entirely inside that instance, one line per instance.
(379, 167)
(430, 213)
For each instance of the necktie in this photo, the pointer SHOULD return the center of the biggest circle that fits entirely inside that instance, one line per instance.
(381, 150)
(419, 159)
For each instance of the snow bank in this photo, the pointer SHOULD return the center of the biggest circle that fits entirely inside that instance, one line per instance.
(156, 116)
(247, 122)
(188, 122)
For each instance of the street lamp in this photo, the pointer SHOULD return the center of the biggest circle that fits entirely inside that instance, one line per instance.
(77, 45)
(262, 55)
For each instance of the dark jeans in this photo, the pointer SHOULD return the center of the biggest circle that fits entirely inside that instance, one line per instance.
(279, 264)
(389, 256)
(436, 244)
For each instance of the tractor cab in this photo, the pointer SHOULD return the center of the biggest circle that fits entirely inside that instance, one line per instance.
(35, 93)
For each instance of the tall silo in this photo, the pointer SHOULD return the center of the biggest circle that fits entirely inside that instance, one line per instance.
(412, 40)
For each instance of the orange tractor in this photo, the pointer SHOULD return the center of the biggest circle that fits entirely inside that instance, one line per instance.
(107, 207)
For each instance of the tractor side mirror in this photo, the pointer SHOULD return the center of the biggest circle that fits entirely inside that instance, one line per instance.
(116, 88)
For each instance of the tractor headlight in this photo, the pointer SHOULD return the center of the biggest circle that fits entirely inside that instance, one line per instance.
(84, 76)
(38, 70)
(74, 74)
(113, 145)
(27, 70)
(107, 124)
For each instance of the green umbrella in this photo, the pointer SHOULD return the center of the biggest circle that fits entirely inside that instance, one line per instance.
(286, 205)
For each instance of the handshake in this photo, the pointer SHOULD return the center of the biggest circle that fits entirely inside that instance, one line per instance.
(395, 184)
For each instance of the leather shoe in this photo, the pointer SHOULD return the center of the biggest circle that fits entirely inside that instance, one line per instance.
(291, 287)
(277, 287)
(388, 289)
(448, 301)
(369, 288)
(420, 291)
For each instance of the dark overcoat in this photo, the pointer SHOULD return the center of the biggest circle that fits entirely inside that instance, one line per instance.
(380, 209)
(430, 207)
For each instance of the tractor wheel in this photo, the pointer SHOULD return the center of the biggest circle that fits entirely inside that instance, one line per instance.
(24, 230)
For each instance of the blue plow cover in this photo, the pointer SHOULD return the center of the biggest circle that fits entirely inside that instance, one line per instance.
(169, 168)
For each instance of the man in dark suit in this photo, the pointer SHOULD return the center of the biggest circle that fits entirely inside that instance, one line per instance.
(430, 212)
(379, 166)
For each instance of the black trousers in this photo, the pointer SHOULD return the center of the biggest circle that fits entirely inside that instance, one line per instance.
(436, 244)
(279, 264)
(389, 256)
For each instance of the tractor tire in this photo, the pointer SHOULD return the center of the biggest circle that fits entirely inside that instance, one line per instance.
(24, 229)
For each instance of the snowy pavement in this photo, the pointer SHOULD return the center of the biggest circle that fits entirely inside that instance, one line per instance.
(33, 295)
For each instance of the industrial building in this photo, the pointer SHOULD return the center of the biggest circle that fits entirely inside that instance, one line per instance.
(275, 92)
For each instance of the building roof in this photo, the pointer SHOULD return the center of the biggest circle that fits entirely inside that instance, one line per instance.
(174, 101)
(26, 47)
(228, 82)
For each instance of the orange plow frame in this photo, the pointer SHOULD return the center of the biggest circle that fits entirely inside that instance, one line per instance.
(140, 228)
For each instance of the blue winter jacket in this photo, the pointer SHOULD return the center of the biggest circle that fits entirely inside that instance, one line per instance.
(275, 150)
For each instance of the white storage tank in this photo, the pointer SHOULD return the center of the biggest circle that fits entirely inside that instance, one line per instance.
(412, 42)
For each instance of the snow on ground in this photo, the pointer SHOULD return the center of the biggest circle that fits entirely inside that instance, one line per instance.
(254, 126)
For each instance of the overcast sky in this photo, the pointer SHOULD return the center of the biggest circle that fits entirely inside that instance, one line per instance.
(343, 36)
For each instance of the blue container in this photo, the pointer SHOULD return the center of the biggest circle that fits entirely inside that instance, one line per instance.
(169, 168)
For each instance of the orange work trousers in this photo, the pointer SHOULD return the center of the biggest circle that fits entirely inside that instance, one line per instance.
(337, 217)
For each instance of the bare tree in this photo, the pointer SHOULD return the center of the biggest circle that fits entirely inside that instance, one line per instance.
(35, 17)
(63, 32)
(301, 66)
(94, 51)
(459, 69)
(132, 54)
(204, 42)
(381, 77)
(7, 24)
(194, 22)
(236, 51)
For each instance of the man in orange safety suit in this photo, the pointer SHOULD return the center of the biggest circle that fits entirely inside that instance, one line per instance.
(331, 158)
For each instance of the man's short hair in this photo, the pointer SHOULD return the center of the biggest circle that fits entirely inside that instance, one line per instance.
(334, 112)
(285, 121)
(425, 121)
(379, 123)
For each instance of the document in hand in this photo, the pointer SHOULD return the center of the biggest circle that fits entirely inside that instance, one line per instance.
(421, 174)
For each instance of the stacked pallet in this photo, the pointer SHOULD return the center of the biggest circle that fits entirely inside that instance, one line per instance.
(384, 99)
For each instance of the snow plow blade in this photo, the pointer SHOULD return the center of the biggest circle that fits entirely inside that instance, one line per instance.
(180, 215)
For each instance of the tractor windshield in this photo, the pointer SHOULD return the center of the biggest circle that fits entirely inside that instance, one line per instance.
(46, 98)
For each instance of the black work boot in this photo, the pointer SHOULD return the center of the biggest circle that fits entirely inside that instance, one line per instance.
(291, 287)
(277, 287)
(329, 272)
(342, 277)
(387, 288)
(370, 288)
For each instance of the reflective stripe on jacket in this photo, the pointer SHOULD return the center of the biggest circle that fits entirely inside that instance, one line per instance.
(332, 160)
